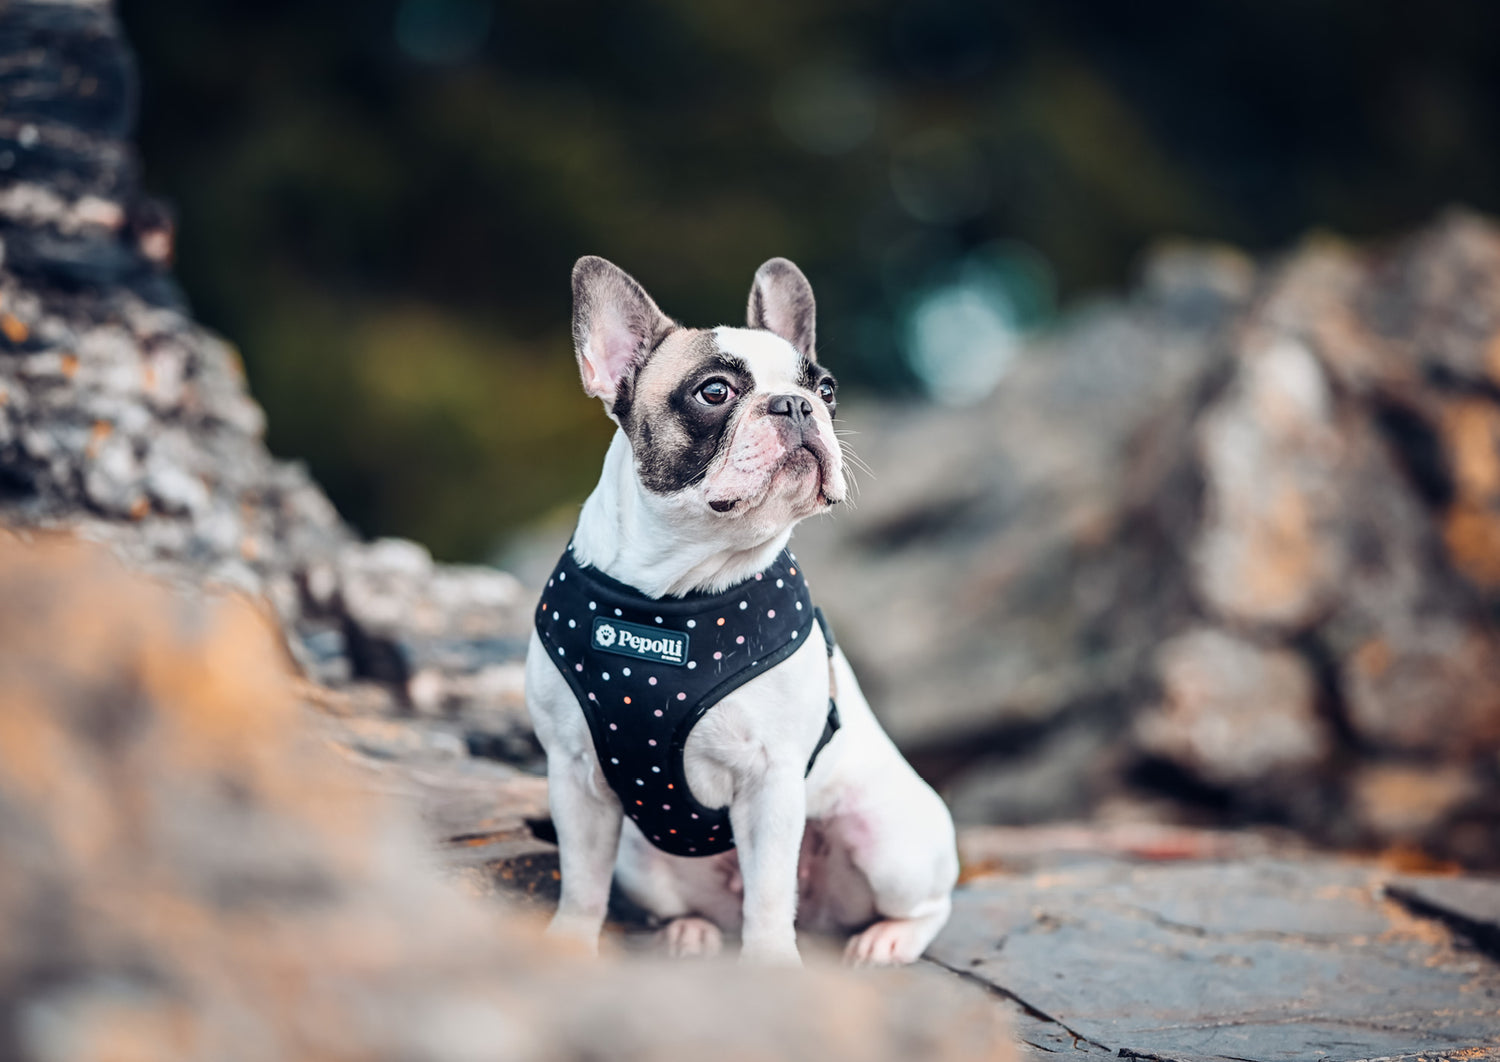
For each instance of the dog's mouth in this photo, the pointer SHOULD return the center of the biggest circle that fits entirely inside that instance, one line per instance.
(795, 465)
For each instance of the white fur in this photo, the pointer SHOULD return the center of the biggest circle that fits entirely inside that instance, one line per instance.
(861, 845)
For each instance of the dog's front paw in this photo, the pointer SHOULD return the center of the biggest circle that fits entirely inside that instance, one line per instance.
(575, 934)
(893, 942)
(691, 938)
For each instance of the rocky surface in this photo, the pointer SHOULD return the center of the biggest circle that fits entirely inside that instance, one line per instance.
(122, 419)
(1265, 960)
(191, 874)
(1228, 546)
(1232, 541)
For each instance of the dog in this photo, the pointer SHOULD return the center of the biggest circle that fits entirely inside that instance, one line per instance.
(708, 747)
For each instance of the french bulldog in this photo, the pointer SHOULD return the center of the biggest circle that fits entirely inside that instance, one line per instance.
(725, 442)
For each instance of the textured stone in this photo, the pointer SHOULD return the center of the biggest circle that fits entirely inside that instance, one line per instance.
(1309, 469)
(1469, 905)
(1269, 454)
(1406, 802)
(1437, 690)
(1233, 712)
(1273, 960)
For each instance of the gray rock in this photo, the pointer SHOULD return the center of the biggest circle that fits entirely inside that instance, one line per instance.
(1278, 960)
(1250, 548)
(113, 478)
(1469, 905)
(1233, 712)
(173, 488)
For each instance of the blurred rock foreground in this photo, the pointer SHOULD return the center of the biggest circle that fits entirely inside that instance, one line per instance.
(190, 874)
(1226, 550)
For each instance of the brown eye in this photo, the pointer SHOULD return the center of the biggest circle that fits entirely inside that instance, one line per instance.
(825, 391)
(715, 393)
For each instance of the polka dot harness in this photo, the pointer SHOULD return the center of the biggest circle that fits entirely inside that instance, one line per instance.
(645, 670)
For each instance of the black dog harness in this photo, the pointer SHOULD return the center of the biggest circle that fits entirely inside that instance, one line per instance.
(645, 670)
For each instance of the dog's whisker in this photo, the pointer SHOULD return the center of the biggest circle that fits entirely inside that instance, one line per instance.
(855, 460)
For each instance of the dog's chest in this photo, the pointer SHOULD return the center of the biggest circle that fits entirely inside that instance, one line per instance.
(645, 671)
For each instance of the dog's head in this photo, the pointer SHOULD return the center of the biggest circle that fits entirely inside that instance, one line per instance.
(735, 422)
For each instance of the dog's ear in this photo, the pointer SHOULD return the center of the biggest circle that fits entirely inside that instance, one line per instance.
(615, 325)
(781, 301)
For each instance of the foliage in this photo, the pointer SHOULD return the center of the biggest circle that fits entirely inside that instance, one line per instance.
(380, 199)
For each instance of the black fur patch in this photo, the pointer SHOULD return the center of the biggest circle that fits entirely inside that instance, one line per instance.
(811, 375)
(674, 444)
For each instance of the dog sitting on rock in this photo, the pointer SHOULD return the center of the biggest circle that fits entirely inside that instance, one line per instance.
(707, 743)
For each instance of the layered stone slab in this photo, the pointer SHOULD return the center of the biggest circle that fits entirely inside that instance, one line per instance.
(1264, 960)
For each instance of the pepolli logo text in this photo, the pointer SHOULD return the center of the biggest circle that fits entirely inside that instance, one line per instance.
(641, 642)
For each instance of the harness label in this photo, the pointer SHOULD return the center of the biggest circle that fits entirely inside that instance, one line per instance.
(643, 643)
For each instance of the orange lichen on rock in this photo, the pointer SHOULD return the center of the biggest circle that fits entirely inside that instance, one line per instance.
(97, 434)
(1406, 800)
(1438, 692)
(14, 328)
(1471, 531)
(1269, 461)
(1471, 428)
(1281, 558)
(1492, 358)
(1472, 537)
(1373, 657)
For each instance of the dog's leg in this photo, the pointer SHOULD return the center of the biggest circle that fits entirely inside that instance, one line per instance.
(899, 941)
(897, 833)
(768, 820)
(907, 855)
(587, 816)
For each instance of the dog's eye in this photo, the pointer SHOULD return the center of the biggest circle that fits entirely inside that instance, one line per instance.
(825, 391)
(715, 393)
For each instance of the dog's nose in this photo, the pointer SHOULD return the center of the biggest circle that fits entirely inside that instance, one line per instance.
(794, 406)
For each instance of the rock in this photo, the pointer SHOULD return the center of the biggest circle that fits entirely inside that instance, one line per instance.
(1404, 802)
(1001, 539)
(1469, 905)
(1435, 691)
(1269, 455)
(190, 874)
(1232, 712)
(1232, 544)
(989, 850)
(448, 640)
(1264, 960)
(125, 421)
(113, 478)
(1051, 784)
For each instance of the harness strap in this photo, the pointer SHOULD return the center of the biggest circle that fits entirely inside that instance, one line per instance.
(831, 727)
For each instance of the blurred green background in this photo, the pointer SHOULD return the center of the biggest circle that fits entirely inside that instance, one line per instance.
(379, 200)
